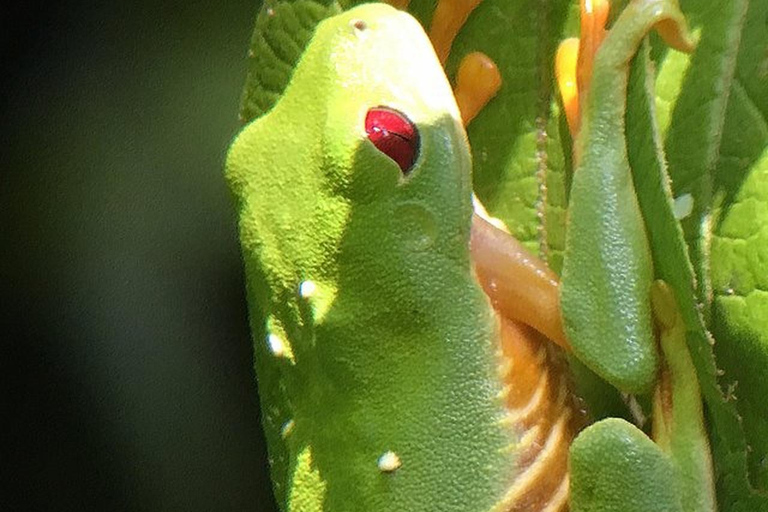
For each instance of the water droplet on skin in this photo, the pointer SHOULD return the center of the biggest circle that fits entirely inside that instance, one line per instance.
(276, 345)
(307, 289)
(683, 206)
(389, 462)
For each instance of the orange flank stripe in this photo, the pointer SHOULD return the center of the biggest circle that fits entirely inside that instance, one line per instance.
(477, 81)
(542, 413)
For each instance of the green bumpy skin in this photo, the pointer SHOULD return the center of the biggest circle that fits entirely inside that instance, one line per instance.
(379, 338)
(607, 266)
(615, 467)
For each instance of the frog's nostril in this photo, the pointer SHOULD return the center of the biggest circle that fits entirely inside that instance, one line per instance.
(394, 135)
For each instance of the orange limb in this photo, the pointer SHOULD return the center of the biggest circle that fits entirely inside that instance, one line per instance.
(449, 17)
(594, 16)
(519, 285)
(477, 81)
(565, 71)
(576, 58)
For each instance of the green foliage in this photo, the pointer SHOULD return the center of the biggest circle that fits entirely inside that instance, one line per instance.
(738, 261)
(509, 140)
(283, 29)
(696, 133)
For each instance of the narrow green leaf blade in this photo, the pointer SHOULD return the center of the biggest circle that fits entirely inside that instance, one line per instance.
(739, 247)
(283, 29)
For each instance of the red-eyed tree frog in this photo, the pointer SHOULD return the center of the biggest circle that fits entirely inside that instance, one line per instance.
(390, 380)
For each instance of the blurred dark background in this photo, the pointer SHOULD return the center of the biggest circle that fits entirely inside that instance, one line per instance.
(126, 361)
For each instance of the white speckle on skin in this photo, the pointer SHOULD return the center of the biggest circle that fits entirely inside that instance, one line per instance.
(683, 206)
(389, 462)
(276, 345)
(307, 289)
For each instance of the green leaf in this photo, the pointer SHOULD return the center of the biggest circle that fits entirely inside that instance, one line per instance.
(693, 138)
(510, 141)
(671, 263)
(691, 98)
(739, 248)
(283, 29)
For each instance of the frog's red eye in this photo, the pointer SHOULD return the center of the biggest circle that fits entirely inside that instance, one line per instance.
(394, 135)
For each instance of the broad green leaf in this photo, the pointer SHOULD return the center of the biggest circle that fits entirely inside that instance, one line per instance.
(510, 141)
(671, 263)
(739, 257)
(693, 94)
(696, 121)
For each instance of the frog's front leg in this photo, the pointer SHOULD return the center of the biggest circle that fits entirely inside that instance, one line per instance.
(614, 465)
(519, 284)
(607, 266)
